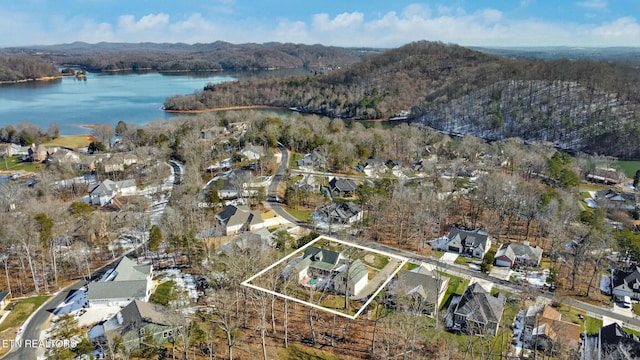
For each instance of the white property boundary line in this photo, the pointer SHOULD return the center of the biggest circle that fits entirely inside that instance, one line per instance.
(322, 237)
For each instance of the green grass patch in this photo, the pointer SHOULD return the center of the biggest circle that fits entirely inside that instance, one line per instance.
(333, 302)
(164, 293)
(631, 331)
(636, 308)
(628, 167)
(465, 260)
(302, 215)
(14, 164)
(410, 266)
(71, 141)
(301, 352)
(592, 325)
(456, 287)
(437, 253)
(22, 311)
(293, 160)
(590, 187)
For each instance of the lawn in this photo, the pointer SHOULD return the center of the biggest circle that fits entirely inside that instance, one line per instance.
(164, 293)
(628, 167)
(456, 287)
(592, 325)
(466, 260)
(631, 331)
(301, 352)
(302, 215)
(14, 164)
(22, 311)
(636, 308)
(74, 142)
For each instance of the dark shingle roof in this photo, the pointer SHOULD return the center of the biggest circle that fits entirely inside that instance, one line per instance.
(479, 306)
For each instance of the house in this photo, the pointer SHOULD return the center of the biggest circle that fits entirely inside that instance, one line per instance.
(231, 184)
(339, 212)
(4, 296)
(317, 262)
(308, 183)
(615, 343)
(423, 288)
(545, 330)
(342, 187)
(37, 153)
(64, 156)
(102, 194)
(610, 199)
(475, 243)
(252, 153)
(236, 218)
(321, 268)
(626, 283)
(607, 176)
(478, 311)
(213, 132)
(513, 254)
(351, 278)
(126, 282)
(248, 242)
(372, 167)
(312, 160)
(118, 162)
(136, 323)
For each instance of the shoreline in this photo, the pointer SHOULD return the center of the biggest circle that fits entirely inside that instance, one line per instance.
(224, 108)
(46, 78)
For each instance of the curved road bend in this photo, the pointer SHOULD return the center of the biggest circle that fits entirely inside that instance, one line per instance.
(506, 285)
(33, 327)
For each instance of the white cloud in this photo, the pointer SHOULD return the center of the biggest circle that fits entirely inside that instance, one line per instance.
(485, 27)
(128, 23)
(594, 4)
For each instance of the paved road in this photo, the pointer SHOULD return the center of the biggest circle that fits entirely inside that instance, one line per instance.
(464, 272)
(33, 327)
(280, 175)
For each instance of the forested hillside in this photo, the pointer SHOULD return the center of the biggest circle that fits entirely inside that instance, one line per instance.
(215, 56)
(580, 105)
(21, 67)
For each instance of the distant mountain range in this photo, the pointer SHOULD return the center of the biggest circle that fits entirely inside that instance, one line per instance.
(578, 99)
(217, 56)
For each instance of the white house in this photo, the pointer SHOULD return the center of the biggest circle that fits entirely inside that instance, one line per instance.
(475, 243)
(126, 282)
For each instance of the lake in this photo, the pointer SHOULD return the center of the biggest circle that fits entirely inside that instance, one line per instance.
(100, 98)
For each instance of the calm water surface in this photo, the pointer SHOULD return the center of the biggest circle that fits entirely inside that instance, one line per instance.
(101, 98)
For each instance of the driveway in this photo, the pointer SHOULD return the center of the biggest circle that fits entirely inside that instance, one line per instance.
(378, 279)
(449, 258)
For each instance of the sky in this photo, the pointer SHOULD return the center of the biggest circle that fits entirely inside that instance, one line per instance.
(351, 23)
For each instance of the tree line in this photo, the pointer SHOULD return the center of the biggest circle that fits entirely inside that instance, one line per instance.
(25, 67)
(578, 104)
(217, 56)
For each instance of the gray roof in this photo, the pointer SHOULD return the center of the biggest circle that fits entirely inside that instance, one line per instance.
(109, 187)
(128, 281)
(427, 285)
(479, 306)
(469, 238)
(339, 211)
(137, 313)
(513, 250)
(246, 242)
(342, 185)
(321, 258)
(626, 277)
(357, 270)
(232, 215)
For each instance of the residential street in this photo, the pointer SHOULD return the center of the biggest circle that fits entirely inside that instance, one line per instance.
(462, 271)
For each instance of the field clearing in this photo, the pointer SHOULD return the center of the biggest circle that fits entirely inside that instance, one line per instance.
(628, 167)
(71, 141)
